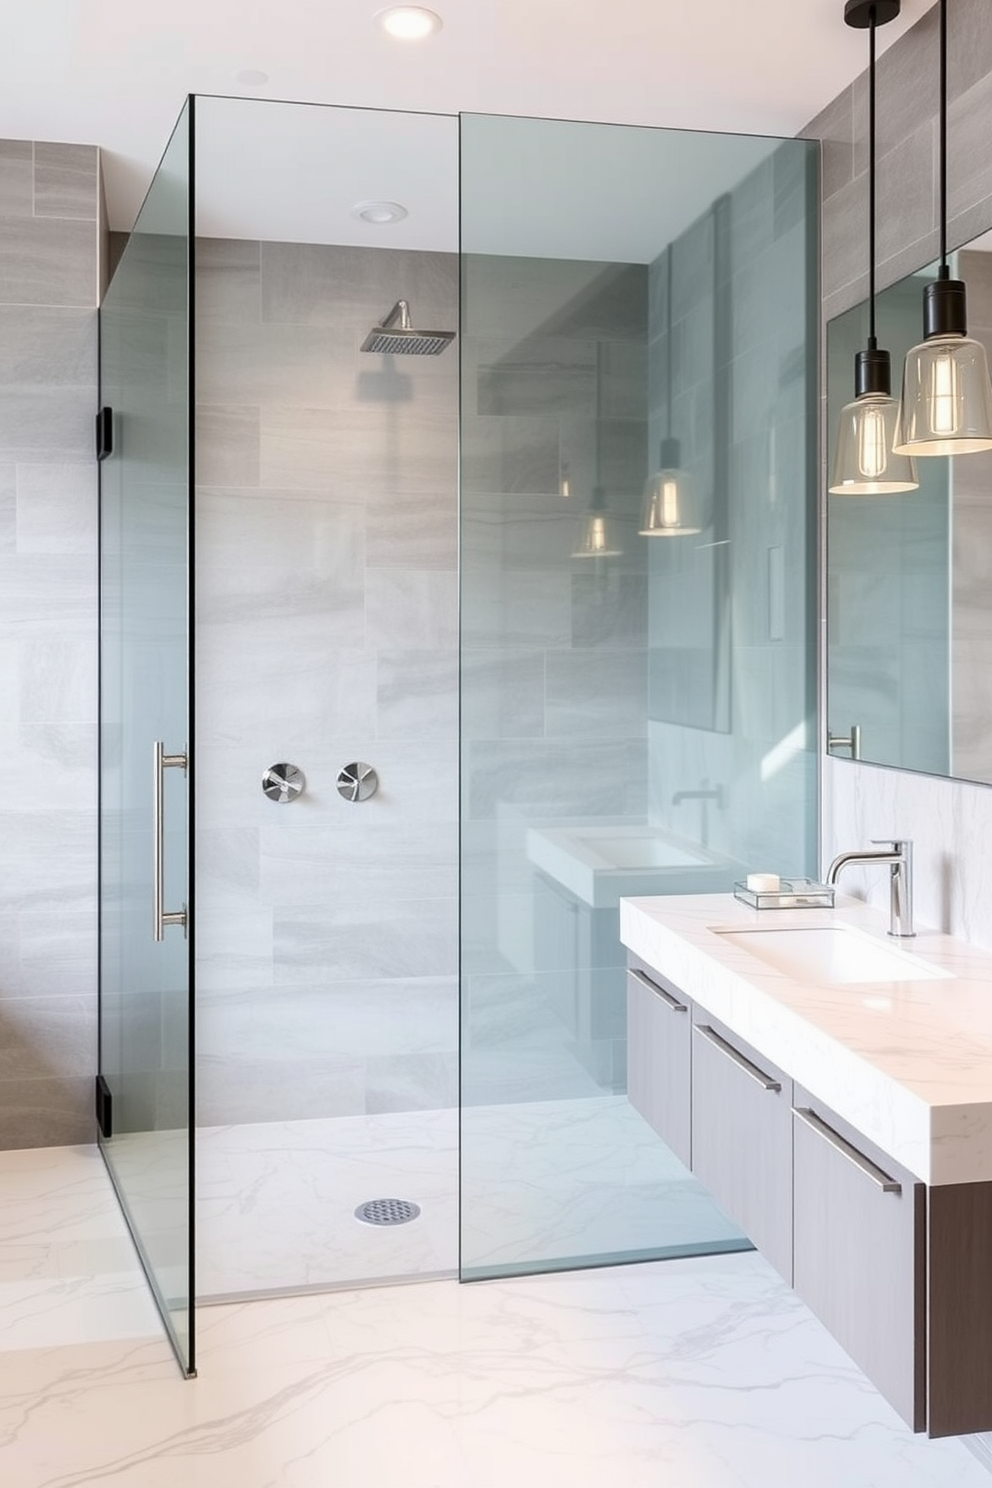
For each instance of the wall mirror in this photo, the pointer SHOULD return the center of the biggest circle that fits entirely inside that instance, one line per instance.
(909, 607)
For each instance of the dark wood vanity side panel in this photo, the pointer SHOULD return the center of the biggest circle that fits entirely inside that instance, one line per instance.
(960, 1334)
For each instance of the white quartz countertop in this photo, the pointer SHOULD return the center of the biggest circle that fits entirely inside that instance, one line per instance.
(908, 1063)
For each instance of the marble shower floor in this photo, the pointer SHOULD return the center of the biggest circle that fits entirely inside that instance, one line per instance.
(541, 1180)
(683, 1374)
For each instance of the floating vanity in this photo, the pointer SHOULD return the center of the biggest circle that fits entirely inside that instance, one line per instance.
(832, 1087)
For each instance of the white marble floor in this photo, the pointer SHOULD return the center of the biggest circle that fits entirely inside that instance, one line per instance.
(541, 1180)
(683, 1374)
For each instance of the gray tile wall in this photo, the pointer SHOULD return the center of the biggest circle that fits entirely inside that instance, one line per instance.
(326, 632)
(949, 821)
(48, 390)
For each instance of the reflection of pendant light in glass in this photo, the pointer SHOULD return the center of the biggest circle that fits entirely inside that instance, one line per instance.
(669, 509)
(865, 463)
(598, 536)
(946, 395)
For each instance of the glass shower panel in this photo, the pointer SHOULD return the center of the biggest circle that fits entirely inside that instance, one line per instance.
(145, 1033)
(636, 710)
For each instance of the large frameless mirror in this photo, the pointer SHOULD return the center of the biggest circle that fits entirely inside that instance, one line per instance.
(908, 615)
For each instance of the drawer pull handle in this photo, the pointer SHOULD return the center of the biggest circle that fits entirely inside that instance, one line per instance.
(863, 1164)
(712, 1037)
(666, 997)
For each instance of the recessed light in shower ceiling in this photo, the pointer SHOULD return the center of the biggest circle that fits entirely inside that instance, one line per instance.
(379, 213)
(409, 22)
(251, 77)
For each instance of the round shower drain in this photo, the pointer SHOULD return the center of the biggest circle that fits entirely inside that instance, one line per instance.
(387, 1211)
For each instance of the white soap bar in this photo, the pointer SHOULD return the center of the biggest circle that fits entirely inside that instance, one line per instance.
(764, 883)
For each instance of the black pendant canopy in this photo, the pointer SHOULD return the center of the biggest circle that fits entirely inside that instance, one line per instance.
(858, 12)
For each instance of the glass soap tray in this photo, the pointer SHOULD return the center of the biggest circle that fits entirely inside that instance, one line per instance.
(792, 893)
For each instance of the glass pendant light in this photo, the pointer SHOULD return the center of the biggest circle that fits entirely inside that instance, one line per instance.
(669, 505)
(865, 461)
(946, 394)
(598, 533)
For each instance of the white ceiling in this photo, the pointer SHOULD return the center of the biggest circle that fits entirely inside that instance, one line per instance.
(115, 72)
(528, 187)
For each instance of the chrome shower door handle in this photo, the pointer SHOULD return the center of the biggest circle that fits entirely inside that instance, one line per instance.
(161, 762)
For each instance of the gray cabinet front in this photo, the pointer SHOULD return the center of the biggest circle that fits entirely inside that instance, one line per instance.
(742, 1137)
(860, 1236)
(658, 1058)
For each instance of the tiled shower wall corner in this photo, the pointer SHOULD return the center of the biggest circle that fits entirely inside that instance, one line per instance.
(742, 286)
(48, 608)
(950, 822)
(326, 632)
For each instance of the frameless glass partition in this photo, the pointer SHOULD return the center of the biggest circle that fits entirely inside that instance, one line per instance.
(638, 310)
(145, 1069)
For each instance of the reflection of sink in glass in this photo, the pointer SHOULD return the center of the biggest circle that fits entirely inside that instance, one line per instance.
(600, 863)
(639, 852)
(832, 954)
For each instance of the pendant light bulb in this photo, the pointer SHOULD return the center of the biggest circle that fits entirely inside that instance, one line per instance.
(867, 461)
(946, 393)
(669, 508)
(597, 531)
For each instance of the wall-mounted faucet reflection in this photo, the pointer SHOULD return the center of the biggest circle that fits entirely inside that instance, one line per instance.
(704, 795)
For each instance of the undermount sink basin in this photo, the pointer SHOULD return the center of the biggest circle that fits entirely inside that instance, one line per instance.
(832, 955)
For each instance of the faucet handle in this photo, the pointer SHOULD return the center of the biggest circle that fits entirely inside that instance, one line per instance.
(902, 845)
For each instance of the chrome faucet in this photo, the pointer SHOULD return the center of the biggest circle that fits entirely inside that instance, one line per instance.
(900, 860)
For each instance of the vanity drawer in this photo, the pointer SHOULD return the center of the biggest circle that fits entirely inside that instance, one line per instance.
(659, 1031)
(860, 1253)
(742, 1137)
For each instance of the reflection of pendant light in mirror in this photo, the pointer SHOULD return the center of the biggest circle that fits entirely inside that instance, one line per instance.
(598, 537)
(669, 508)
(946, 395)
(865, 462)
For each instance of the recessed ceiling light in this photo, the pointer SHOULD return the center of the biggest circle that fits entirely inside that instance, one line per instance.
(409, 22)
(250, 77)
(379, 213)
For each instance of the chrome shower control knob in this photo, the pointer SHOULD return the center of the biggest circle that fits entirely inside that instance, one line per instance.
(283, 783)
(357, 781)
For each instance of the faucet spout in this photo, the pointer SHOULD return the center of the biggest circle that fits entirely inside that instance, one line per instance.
(899, 857)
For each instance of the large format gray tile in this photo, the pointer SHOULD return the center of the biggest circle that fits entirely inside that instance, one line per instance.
(552, 778)
(58, 953)
(57, 508)
(357, 861)
(228, 280)
(367, 941)
(359, 450)
(417, 530)
(43, 1038)
(48, 370)
(502, 694)
(250, 701)
(227, 445)
(411, 608)
(229, 1092)
(596, 694)
(16, 178)
(47, 1112)
(57, 679)
(417, 694)
(47, 261)
(8, 508)
(352, 288)
(65, 181)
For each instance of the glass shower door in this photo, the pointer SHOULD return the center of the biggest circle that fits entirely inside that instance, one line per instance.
(145, 1085)
(636, 697)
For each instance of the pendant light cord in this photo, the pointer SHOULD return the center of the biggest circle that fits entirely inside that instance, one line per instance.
(872, 341)
(944, 270)
(668, 347)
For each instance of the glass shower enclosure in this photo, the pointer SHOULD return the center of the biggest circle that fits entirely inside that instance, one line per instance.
(437, 566)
